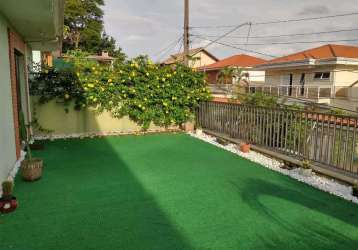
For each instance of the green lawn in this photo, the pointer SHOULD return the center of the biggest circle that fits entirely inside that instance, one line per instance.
(169, 192)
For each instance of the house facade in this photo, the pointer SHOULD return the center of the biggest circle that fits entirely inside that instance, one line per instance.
(198, 57)
(327, 75)
(223, 84)
(245, 63)
(25, 25)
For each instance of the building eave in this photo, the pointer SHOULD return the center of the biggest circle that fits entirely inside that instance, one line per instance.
(38, 22)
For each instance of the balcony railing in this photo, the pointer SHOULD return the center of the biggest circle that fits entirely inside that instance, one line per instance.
(327, 139)
(299, 91)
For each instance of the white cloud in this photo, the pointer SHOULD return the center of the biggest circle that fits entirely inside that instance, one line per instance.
(145, 27)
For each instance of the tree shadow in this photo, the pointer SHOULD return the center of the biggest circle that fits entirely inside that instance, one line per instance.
(88, 198)
(307, 233)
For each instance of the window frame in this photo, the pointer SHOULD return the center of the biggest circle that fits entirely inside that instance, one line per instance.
(322, 78)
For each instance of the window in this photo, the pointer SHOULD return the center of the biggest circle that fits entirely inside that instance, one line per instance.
(322, 75)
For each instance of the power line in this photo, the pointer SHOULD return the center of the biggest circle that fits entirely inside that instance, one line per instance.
(166, 49)
(235, 47)
(226, 34)
(284, 35)
(211, 42)
(280, 21)
(297, 42)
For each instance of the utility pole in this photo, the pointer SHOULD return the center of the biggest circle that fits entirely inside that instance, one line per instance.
(186, 32)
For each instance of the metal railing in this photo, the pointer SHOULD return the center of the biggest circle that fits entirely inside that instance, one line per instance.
(330, 140)
(299, 91)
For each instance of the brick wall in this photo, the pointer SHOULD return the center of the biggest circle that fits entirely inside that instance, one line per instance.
(15, 42)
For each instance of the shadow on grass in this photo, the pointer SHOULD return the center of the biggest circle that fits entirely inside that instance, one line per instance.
(88, 198)
(307, 233)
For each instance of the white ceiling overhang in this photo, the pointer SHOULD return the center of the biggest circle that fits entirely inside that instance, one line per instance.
(38, 22)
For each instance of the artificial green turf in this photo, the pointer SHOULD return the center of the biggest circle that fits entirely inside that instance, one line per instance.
(169, 192)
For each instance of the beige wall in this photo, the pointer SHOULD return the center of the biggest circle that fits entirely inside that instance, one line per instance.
(52, 116)
(346, 75)
(7, 132)
(275, 77)
(203, 60)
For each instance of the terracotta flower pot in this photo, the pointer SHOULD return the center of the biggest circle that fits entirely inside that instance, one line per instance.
(188, 126)
(31, 170)
(8, 205)
(245, 147)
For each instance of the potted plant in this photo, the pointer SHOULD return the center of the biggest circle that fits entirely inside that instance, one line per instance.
(31, 168)
(8, 202)
(245, 147)
(305, 169)
(355, 189)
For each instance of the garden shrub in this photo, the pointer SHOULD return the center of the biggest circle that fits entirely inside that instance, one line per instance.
(146, 92)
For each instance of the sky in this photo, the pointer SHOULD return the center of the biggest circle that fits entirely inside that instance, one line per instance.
(149, 26)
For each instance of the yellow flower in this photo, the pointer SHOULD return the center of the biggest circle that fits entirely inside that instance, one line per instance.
(145, 99)
(78, 73)
(175, 73)
(165, 104)
(163, 79)
(109, 80)
(94, 99)
(143, 108)
(67, 96)
(147, 74)
(111, 84)
(90, 85)
(133, 74)
(93, 68)
(102, 89)
(85, 88)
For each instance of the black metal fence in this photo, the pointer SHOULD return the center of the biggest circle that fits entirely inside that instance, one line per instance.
(324, 138)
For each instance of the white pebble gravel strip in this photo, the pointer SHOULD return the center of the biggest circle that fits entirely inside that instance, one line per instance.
(323, 183)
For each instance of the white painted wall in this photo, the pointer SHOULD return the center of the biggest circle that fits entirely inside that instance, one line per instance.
(7, 132)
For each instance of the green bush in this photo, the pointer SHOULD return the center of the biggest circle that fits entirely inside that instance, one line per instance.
(144, 91)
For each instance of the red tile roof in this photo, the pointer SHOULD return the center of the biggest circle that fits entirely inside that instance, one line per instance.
(236, 61)
(323, 52)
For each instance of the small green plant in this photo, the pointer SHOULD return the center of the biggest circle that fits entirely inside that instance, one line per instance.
(7, 188)
(306, 164)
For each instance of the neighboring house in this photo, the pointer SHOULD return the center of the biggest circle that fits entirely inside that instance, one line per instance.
(58, 61)
(327, 74)
(223, 85)
(197, 58)
(25, 25)
(245, 63)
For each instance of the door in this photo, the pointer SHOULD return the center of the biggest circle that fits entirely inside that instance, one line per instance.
(302, 83)
(290, 85)
(20, 84)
